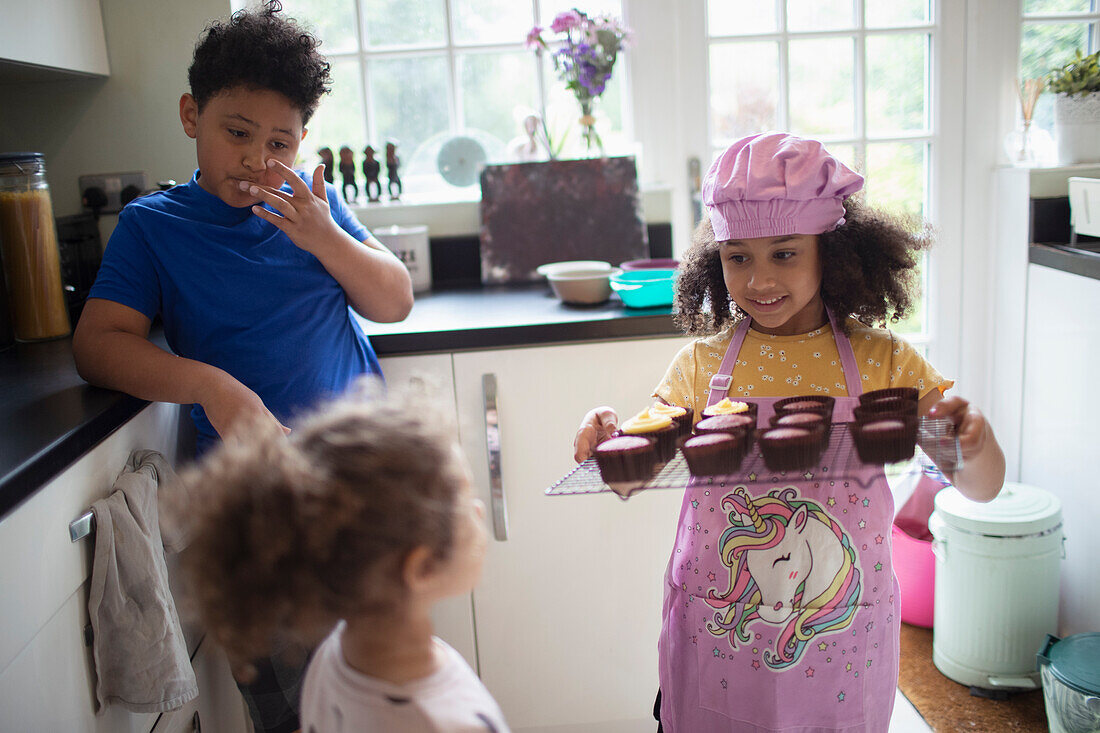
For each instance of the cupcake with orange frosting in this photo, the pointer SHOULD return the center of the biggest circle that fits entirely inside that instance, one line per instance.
(682, 416)
(651, 424)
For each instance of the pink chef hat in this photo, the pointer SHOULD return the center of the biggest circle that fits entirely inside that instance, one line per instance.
(773, 183)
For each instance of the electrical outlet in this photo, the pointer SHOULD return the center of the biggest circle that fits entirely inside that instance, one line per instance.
(107, 193)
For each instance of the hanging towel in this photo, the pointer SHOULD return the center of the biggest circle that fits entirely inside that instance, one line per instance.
(141, 659)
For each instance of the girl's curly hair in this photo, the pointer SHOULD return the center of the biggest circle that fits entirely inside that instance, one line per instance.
(260, 49)
(869, 272)
(290, 534)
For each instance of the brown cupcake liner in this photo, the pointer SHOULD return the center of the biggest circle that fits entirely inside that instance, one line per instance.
(635, 464)
(791, 453)
(906, 393)
(886, 446)
(711, 459)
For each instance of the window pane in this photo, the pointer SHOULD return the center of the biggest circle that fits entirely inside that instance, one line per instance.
(550, 8)
(897, 80)
(333, 21)
(821, 87)
(820, 15)
(1046, 46)
(1042, 7)
(896, 176)
(403, 22)
(893, 13)
(744, 83)
(408, 98)
(339, 119)
(483, 76)
(734, 17)
(490, 21)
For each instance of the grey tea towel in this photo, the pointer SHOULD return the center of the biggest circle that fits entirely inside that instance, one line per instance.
(141, 659)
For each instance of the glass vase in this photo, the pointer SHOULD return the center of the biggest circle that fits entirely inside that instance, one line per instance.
(1028, 146)
(593, 145)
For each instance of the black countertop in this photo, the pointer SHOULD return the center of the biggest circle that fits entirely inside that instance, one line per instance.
(51, 417)
(1082, 258)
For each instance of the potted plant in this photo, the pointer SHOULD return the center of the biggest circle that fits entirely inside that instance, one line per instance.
(1076, 87)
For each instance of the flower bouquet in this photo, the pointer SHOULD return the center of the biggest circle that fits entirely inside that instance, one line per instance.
(584, 55)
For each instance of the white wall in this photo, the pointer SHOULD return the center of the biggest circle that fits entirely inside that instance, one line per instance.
(126, 122)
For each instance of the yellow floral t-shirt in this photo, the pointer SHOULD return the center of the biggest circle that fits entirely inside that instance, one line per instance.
(786, 366)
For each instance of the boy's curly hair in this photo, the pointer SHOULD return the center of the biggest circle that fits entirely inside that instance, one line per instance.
(869, 272)
(260, 49)
(290, 534)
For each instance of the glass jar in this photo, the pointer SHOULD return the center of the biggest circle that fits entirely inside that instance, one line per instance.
(28, 238)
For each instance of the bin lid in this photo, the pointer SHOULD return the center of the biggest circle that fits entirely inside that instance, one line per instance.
(1018, 510)
(1073, 661)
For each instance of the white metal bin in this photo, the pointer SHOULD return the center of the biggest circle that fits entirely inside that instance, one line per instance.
(997, 575)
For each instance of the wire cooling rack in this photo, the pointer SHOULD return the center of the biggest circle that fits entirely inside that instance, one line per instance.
(938, 450)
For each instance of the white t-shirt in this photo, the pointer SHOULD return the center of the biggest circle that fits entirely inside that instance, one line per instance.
(339, 699)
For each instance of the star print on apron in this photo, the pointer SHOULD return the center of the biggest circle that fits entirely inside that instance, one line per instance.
(780, 602)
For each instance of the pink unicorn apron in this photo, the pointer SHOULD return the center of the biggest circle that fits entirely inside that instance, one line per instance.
(780, 607)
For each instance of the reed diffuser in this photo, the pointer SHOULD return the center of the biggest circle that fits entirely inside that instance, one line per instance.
(1025, 146)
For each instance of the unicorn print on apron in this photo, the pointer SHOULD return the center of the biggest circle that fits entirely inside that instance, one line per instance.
(780, 602)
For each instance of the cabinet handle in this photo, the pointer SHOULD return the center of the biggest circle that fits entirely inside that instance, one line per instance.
(492, 443)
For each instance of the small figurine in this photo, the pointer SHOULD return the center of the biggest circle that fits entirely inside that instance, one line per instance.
(392, 162)
(347, 172)
(526, 147)
(330, 163)
(371, 169)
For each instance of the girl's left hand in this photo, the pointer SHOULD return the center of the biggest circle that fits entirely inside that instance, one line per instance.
(303, 214)
(971, 427)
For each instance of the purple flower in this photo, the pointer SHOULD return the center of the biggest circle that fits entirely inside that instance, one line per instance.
(565, 21)
(534, 38)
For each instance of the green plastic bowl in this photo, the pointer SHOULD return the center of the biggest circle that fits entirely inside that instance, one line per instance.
(644, 288)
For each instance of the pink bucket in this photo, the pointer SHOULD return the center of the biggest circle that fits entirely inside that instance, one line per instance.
(915, 567)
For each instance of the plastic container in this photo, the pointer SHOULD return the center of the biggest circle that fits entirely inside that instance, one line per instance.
(915, 568)
(32, 260)
(652, 264)
(411, 246)
(997, 581)
(646, 288)
(1070, 669)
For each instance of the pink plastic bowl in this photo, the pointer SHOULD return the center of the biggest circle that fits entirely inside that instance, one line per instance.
(915, 567)
(650, 265)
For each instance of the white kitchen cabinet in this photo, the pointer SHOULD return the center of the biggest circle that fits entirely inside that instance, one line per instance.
(569, 608)
(47, 677)
(65, 35)
(1060, 430)
(453, 618)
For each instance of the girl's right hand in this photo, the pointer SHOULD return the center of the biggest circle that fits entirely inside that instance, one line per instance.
(229, 404)
(598, 425)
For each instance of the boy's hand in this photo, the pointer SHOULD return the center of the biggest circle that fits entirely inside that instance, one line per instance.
(971, 427)
(597, 426)
(303, 215)
(230, 404)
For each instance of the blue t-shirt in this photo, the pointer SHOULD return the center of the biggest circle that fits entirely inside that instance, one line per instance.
(233, 291)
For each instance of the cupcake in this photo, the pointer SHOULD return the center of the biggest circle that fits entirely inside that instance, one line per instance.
(626, 462)
(726, 406)
(822, 404)
(681, 416)
(885, 439)
(790, 448)
(659, 427)
(739, 424)
(812, 420)
(713, 454)
(905, 393)
(886, 406)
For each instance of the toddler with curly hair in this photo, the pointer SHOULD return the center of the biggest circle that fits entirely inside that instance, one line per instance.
(361, 519)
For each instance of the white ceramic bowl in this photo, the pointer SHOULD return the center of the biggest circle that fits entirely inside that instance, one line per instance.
(582, 282)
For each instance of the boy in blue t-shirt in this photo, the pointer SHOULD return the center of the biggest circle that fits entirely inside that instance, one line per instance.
(251, 266)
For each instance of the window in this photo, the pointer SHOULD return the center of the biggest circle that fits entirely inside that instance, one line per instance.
(418, 72)
(854, 75)
(1052, 30)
